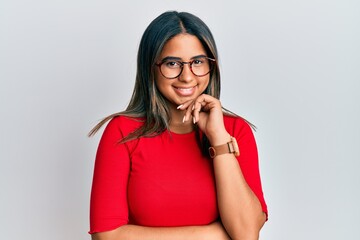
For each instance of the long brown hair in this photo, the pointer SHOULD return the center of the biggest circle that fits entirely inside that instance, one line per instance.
(146, 102)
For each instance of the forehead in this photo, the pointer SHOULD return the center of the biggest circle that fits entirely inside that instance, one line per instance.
(184, 46)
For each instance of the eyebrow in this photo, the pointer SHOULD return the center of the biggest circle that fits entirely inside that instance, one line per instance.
(180, 59)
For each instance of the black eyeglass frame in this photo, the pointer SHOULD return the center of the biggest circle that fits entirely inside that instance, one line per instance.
(212, 61)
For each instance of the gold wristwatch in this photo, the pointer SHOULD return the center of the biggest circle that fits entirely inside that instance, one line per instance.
(229, 147)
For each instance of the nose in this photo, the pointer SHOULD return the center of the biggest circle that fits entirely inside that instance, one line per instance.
(186, 74)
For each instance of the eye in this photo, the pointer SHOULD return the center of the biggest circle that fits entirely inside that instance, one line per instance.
(198, 61)
(172, 64)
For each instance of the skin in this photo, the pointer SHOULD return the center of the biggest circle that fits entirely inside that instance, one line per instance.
(185, 47)
(240, 211)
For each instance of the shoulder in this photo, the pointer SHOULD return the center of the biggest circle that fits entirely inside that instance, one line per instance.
(236, 123)
(239, 128)
(124, 124)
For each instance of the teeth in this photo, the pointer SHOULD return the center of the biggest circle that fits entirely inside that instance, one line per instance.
(185, 89)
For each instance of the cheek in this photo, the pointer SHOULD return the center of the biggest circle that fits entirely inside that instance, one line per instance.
(161, 85)
(158, 80)
(205, 84)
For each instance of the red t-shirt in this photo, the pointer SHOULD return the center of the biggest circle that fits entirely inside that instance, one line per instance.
(163, 180)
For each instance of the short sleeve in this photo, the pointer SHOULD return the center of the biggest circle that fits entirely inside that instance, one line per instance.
(108, 202)
(248, 159)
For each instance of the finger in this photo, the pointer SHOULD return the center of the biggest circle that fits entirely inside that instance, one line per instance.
(187, 115)
(188, 103)
(194, 107)
(197, 109)
(209, 103)
(184, 105)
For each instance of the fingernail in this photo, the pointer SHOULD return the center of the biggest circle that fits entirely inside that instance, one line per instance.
(193, 107)
(183, 119)
(179, 106)
(194, 120)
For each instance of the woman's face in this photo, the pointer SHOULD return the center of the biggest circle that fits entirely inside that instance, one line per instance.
(187, 86)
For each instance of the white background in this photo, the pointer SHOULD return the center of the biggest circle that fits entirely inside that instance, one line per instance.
(290, 67)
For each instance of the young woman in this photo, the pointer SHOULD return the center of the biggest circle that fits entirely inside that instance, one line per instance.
(175, 164)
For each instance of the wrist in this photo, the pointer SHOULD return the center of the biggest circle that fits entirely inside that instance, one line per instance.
(219, 138)
(230, 147)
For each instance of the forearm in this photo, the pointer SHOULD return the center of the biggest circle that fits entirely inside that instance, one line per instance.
(240, 210)
(213, 231)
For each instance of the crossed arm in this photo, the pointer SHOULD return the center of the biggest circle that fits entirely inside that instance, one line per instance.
(213, 231)
(240, 211)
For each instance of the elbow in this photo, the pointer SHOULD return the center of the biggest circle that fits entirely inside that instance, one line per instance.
(249, 228)
(108, 235)
(102, 236)
(97, 236)
(260, 220)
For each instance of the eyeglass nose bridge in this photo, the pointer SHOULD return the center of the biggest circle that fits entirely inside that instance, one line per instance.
(190, 67)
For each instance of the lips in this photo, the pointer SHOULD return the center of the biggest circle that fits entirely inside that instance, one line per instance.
(185, 91)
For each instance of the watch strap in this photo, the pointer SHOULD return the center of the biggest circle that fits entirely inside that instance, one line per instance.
(229, 147)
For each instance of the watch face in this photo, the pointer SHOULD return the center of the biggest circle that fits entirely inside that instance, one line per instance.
(212, 152)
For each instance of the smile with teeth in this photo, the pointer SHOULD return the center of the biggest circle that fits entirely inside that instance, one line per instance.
(185, 91)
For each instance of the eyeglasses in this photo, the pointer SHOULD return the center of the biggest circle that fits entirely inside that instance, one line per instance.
(199, 66)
